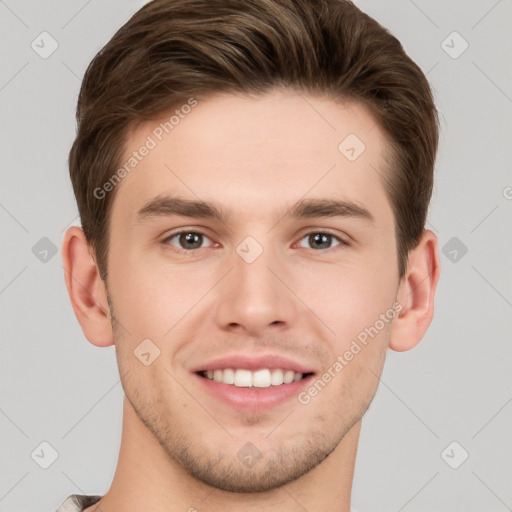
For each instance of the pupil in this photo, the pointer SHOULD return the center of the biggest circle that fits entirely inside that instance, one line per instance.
(193, 239)
(320, 239)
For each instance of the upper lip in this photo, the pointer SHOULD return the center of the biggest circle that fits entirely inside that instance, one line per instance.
(254, 362)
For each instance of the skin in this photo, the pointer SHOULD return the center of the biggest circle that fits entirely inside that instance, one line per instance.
(251, 155)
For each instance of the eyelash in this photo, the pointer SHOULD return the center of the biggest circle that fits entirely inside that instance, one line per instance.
(342, 243)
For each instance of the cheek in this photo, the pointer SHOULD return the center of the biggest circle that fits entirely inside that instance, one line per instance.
(348, 297)
(151, 296)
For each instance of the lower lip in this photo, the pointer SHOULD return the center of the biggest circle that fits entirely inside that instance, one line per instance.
(253, 399)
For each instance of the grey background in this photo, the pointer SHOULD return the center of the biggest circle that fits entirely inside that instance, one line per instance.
(456, 385)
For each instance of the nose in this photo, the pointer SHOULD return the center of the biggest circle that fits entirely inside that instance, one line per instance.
(255, 296)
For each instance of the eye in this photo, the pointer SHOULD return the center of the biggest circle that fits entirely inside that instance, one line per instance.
(187, 240)
(192, 240)
(321, 240)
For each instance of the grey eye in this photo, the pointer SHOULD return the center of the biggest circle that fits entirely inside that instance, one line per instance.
(187, 240)
(319, 240)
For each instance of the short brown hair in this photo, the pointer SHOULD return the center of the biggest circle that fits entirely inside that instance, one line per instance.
(172, 50)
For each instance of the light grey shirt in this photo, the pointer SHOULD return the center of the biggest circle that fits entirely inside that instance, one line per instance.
(78, 503)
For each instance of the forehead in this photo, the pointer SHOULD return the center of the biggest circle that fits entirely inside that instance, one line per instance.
(249, 153)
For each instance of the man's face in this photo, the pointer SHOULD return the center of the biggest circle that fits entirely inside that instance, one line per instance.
(262, 281)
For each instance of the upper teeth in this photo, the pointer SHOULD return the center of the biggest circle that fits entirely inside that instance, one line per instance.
(259, 379)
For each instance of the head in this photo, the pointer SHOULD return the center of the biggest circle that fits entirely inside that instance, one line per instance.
(252, 109)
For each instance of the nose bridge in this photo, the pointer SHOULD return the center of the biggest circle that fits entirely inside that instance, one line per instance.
(253, 297)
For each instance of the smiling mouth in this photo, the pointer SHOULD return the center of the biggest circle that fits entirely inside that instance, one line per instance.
(263, 378)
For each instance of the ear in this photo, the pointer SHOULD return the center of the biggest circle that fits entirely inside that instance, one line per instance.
(86, 289)
(416, 294)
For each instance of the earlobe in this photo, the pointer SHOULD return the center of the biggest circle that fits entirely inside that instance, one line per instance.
(416, 295)
(86, 289)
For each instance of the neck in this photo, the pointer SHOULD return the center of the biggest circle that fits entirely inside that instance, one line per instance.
(148, 478)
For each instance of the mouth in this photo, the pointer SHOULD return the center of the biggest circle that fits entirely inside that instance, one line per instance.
(253, 391)
(253, 382)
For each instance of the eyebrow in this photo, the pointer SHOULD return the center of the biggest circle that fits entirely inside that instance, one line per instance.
(165, 206)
